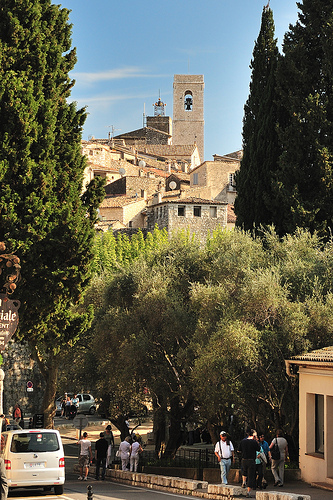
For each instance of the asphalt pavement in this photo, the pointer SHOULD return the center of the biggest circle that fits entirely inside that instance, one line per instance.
(69, 435)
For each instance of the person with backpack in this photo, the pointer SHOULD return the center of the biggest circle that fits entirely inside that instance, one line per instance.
(279, 452)
(224, 452)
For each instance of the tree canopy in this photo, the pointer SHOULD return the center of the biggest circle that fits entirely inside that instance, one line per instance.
(203, 330)
(304, 179)
(44, 218)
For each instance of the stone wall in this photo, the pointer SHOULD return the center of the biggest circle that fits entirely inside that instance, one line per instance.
(166, 216)
(20, 368)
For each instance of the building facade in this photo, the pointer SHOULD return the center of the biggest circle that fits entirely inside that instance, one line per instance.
(188, 111)
(198, 216)
(315, 372)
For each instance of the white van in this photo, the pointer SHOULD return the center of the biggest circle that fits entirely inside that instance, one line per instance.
(34, 457)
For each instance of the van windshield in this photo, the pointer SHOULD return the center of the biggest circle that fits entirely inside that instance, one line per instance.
(34, 442)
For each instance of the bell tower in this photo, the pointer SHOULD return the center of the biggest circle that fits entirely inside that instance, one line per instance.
(188, 111)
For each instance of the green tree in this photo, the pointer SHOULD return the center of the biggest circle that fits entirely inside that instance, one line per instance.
(43, 216)
(261, 150)
(304, 179)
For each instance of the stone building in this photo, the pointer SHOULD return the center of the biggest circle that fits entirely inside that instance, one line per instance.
(216, 179)
(122, 211)
(188, 111)
(143, 136)
(198, 216)
(315, 372)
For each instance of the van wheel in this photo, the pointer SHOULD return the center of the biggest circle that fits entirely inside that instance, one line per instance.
(59, 489)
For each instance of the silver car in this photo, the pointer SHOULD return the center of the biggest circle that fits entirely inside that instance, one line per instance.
(87, 403)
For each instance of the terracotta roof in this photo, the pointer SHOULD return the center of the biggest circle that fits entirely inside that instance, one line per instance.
(168, 198)
(322, 355)
(231, 217)
(140, 132)
(94, 166)
(237, 155)
(169, 150)
(183, 176)
(119, 201)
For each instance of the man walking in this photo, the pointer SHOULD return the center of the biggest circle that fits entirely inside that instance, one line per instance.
(248, 448)
(101, 448)
(85, 458)
(224, 451)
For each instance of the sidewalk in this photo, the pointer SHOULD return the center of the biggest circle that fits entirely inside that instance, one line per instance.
(67, 431)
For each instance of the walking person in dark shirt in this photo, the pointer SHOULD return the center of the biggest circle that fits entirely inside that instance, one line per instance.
(248, 448)
(101, 448)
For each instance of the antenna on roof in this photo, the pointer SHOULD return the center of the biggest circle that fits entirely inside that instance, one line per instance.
(111, 134)
(144, 115)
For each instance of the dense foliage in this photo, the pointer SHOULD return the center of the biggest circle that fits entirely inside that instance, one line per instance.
(286, 174)
(304, 180)
(261, 149)
(43, 217)
(203, 331)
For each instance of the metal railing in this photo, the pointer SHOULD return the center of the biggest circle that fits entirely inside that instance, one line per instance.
(199, 459)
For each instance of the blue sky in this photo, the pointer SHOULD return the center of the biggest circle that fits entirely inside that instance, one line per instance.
(129, 50)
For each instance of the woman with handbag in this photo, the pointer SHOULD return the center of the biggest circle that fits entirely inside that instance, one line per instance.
(279, 451)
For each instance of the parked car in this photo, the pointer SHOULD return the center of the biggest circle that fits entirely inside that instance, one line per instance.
(34, 457)
(87, 403)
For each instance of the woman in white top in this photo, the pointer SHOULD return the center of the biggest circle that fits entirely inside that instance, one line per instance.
(124, 449)
(136, 449)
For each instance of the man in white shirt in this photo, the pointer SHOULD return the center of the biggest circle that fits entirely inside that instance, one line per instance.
(224, 451)
(85, 458)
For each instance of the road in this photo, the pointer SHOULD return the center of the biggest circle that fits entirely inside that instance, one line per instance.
(106, 490)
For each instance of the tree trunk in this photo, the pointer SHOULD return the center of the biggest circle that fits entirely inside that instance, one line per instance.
(121, 424)
(49, 370)
(175, 437)
(159, 423)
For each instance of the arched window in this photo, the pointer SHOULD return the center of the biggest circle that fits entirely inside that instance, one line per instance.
(188, 100)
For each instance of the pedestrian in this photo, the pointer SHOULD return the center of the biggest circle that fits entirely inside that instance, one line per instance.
(260, 460)
(17, 415)
(135, 451)
(267, 452)
(224, 452)
(248, 448)
(124, 450)
(63, 405)
(68, 405)
(101, 448)
(110, 440)
(3, 481)
(278, 463)
(85, 458)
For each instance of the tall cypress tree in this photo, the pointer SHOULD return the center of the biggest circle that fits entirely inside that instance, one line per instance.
(305, 82)
(43, 217)
(260, 141)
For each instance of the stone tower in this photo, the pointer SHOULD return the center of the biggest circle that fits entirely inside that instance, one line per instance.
(188, 111)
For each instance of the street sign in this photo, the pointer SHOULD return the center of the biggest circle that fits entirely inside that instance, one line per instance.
(30, 386)
(80, 422)
(8, 319)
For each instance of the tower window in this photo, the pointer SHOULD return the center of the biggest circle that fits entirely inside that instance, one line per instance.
(188, 101)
